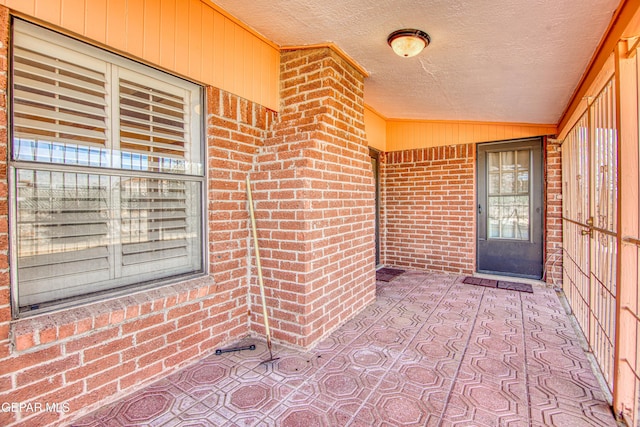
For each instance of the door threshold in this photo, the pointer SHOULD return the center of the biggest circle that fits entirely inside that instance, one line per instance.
(510, 279)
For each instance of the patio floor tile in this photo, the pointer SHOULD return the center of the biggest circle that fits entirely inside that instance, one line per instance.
(431, 351)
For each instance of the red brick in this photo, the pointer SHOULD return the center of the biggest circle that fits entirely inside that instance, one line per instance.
(88, 341)
(92, 368)
(31, 391)
(25, 341)
(154, 332)
(47, 369)
(159, 354)
(117, 317)
(48, 335)
(141, 349)
(142, 323)
(40, 419)
(183, 310)
(64, 394)
(84, 325)
(92, 397)
(183, 333)
(132, 312)
(110, 347)
(31, 358)
(7, 418)
(110, 376)
(66, 330)
(141, 376)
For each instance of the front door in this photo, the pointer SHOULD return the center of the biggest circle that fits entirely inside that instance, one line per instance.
(510, 235)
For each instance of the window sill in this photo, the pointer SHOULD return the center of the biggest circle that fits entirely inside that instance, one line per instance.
(46, 328)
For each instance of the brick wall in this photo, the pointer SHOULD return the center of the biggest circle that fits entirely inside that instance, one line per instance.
(428, 215)
(314, 194)
(5, 308)
(314, 199)
(89, 355)
(428, 209)
(553, 212)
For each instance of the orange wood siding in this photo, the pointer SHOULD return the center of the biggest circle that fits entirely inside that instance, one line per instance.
(376, 128)
(192, 38)
(413, 134)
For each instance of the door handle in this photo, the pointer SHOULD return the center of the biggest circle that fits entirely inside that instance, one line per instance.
(587, 232)
(479, 209)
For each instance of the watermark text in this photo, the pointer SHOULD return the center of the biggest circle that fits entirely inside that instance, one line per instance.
(30, 407)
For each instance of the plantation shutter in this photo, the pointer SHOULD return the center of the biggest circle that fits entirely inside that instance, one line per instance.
(155, 212)
(138, 217)
(152, 125)
(63, 233)
(59, 104)
(60, 116)
(156, 225)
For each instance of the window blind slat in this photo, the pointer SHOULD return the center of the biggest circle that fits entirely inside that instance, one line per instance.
(76, 230)
(23, 96)
(155, 257)
(131, 110)
(170, 203)
(149, 144)
(27, 129)
(155, 135)
(61, 65)
(158, 129)
(71, 268)
(153, 246)
(73, 84)
(151, 97)
(64, 257)
(67, 217)
(81, 97)
(154, 230)
(45, 113)
(155, 106)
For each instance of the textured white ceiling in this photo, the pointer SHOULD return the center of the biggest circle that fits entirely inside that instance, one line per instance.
(501, 61)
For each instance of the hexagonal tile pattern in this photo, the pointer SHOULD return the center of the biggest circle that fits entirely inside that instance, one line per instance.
(431, 351)
(402, 410)
(249, 396)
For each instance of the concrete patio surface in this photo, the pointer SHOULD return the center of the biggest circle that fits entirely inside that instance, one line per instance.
(431, 351)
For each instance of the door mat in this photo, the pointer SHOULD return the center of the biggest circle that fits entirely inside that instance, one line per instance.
(490, 283)
(388, 274)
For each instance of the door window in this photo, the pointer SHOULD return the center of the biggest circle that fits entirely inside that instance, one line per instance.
(508, 194)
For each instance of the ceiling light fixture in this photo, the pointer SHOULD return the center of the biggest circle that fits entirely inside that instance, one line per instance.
(408, 42)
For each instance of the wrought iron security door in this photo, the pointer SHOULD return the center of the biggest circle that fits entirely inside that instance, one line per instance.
(590, 181)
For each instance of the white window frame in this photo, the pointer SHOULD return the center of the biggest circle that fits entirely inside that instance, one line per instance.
(174, 171)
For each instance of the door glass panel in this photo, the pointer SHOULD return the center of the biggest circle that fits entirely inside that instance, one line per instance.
(508, 193)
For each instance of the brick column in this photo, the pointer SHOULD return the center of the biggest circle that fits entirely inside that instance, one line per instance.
(314, 194)
(553, 214)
